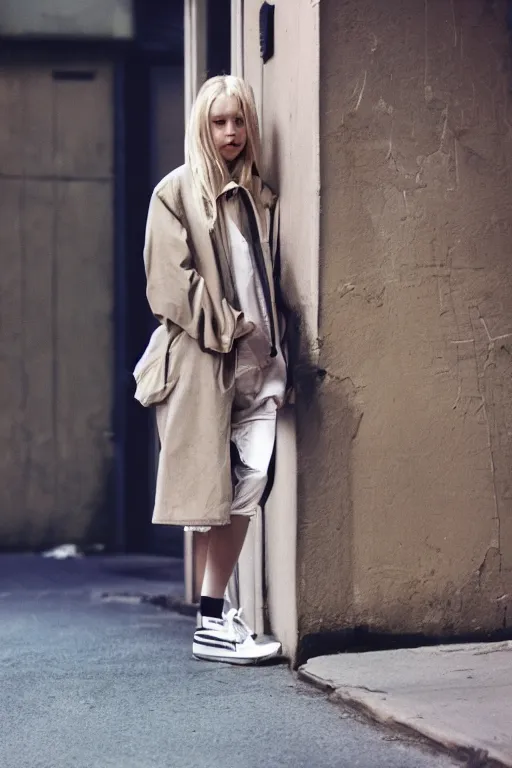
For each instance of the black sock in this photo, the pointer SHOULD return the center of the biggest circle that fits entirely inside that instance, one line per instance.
(211, 607)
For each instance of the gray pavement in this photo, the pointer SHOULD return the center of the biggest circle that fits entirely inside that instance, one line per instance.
(95, 575)
(89, 683)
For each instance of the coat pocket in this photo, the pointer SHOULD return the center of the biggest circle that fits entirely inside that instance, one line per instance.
(151, 373)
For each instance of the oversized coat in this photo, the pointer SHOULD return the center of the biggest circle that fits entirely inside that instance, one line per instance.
(188, 369)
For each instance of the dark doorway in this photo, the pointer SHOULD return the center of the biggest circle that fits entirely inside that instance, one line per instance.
(218, 49)
(150, 130)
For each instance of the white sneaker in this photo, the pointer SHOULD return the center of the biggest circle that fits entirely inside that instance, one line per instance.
(237, 619)
(235, 614)
(229, 640)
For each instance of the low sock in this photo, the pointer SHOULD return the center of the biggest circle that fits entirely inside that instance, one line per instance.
(211, 607)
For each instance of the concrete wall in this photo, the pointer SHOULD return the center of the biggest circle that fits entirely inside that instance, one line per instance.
(68, 18)
(405, 454)
(56, 304)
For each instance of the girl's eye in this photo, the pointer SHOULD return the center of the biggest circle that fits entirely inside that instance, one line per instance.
(219, 122)
(239, 121)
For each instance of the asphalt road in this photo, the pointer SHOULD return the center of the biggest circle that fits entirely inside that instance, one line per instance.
(86, 683)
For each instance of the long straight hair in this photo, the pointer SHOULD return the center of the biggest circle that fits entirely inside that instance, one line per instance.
(210, 172)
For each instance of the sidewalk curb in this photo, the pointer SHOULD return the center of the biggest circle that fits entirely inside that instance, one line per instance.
(360, 700)
(174, 604)
(163, 601)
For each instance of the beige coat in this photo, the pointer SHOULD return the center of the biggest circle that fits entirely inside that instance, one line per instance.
(188, 368)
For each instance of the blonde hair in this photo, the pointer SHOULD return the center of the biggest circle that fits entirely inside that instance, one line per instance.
(210, 172)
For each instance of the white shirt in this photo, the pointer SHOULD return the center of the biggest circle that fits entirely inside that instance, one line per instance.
(259, 377)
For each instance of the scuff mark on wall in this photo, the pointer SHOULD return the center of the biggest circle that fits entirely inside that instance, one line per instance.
(426, 53)
(360, 97)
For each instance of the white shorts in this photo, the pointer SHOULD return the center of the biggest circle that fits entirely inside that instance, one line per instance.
(253, 431)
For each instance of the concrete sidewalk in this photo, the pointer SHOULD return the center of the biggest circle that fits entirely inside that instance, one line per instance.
(459, 696)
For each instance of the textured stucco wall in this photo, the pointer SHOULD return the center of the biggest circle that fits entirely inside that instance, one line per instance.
(405, 511)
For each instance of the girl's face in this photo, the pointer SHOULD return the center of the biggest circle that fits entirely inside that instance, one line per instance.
(228, 128)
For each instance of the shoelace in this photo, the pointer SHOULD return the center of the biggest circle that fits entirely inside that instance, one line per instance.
(236, 623)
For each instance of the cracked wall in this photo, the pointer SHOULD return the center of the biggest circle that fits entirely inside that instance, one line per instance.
(405, 511)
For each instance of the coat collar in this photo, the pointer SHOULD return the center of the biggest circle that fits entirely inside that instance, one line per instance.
(260, 191)
(229, 189)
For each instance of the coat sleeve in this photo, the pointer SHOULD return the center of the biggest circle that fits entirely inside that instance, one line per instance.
(287, 318)
(281, 302)
(177, 293)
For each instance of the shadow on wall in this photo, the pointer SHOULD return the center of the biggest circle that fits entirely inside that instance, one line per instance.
(327, 421)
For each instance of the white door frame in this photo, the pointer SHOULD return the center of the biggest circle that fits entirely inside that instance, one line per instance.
(237, 38)
(246, 586)
(196, 33)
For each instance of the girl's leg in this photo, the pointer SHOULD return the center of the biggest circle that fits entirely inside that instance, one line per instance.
(230, 640)
(224, 546)
(254, 442)
(200, 554)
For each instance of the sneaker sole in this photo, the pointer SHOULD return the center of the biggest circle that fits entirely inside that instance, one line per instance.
(231, 659)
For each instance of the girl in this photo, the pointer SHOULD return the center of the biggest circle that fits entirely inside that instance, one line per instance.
(215, 367)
